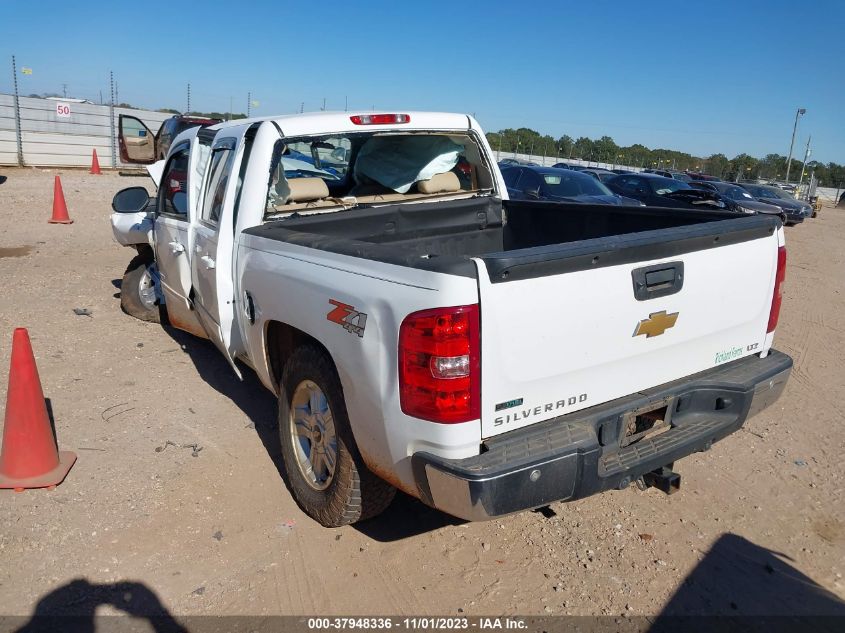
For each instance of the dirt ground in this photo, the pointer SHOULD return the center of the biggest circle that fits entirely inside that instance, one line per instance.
(177, 496)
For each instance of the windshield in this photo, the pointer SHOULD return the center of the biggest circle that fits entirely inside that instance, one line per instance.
(780, 193)
(769, 192)
(570, 184)
(736, 193)
(662, 186)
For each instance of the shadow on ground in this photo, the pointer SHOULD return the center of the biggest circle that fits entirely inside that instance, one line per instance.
(2, 179)
(740, 586)
(406, 517)
(72, 607)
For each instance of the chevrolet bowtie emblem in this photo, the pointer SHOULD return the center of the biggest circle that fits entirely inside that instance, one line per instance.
(656, 324)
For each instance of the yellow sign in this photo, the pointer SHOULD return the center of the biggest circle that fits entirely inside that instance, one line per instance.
(656, 324)
(26, 71)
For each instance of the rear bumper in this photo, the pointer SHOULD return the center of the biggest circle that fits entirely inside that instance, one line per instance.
(579, 454)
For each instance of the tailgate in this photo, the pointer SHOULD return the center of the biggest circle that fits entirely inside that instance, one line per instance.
(571, 326)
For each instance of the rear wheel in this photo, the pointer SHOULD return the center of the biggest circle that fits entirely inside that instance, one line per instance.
(137, 290)
(322, 466)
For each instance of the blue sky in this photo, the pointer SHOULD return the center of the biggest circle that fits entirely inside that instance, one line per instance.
(700, 77)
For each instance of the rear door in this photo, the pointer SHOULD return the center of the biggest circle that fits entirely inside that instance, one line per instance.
(137, 144)
(213, 241)
(571, 326)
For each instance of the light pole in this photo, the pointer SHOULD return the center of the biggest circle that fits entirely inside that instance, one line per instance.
(798, 113)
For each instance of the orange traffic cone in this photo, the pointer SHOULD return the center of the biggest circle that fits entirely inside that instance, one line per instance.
(95, 164)
(29, 457)
(60, 215)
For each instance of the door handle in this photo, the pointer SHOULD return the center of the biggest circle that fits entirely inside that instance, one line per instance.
(209, 263)
(176, 248)
(659, 280)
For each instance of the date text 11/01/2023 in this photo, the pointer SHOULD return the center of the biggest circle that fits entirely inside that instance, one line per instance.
(415, 623)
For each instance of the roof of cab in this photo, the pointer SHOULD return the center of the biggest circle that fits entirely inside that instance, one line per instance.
(329, 122)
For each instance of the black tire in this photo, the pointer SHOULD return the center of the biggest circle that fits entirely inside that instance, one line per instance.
(354, 493)
(131, 302)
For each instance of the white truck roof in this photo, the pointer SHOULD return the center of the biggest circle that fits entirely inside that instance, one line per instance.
(329, 122)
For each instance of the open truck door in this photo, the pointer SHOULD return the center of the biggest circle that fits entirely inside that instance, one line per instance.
(213, 238)
(172, 236)
(137, 144)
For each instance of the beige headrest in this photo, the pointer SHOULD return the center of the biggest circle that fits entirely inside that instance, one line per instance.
(440, 183)
(307, 189)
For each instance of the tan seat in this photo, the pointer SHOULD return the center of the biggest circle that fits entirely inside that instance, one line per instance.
(440, 183)
(307, 190)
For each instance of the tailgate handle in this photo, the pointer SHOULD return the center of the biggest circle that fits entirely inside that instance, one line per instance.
(659, 280)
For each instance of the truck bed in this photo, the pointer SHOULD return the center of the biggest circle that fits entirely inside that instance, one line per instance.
(536, 239)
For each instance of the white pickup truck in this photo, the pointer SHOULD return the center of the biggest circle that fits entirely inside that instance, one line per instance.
(423, 332)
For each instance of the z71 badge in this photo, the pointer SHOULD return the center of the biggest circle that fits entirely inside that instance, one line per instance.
(348, 318)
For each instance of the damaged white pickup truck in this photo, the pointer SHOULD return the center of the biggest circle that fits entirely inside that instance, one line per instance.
(423, 332)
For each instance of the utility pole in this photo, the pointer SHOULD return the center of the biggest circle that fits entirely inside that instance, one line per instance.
(324, 105)
(302, 107)
(64, 90)
(248, 103)
(346, 104)
(800, 112)
(116, 97)
(231, 105)
(188, 111)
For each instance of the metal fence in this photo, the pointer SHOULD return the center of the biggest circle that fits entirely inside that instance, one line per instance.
(63, 133)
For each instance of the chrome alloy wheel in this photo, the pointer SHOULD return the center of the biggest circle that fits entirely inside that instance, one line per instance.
(313, 435)
(146, 288)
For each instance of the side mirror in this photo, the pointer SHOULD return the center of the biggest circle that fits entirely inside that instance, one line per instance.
(130, 200)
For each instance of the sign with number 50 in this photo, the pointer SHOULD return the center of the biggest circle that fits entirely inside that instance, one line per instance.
(63, 110)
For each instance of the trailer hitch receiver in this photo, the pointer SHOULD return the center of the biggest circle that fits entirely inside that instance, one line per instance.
(663, 478)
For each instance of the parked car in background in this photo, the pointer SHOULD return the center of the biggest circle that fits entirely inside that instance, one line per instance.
(670, 173)
(738, 199)
(507, 162)
(659, 191)
(602, 175)
(782, 185)
(569, 166)
(694, 175)
(796, 210)
(559, 185)
(622, 171)
(137, 144)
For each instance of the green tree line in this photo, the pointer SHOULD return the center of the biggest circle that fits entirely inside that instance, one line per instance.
(605, 150)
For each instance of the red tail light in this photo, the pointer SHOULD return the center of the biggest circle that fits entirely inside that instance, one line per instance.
(777, 297)
(439, 364)
(379, 119)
